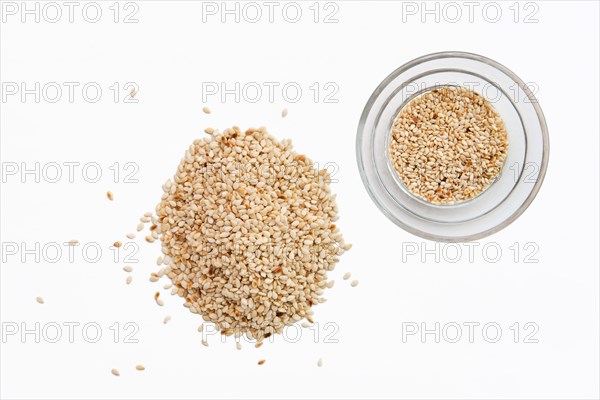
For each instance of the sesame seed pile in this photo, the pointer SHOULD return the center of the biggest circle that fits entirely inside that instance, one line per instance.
(448, 145)
(247, 231)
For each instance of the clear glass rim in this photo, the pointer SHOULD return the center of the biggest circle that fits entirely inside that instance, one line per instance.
(471, 56)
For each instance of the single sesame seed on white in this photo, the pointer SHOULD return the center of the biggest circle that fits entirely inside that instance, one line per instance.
(238, 345)
(201, 328)
(305, 324)
(206, 110)
(117, 244)
(145, 220)
(148, 214)
(131, 236)
(128, 280)
(209, 131)
(284, 113)
(73, 242)
(140, 367)
(354, 283)
(140, 226)
(320, 362)
(347, 276)
(159, 260)
(115, 372)
(39, 300)
(167, 286)
(128, 268)
(261, 362)
(167, 319)
(205, 342)
(160, 302)
(110, 195)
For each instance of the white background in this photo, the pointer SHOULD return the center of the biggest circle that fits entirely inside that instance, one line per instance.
(169, 53)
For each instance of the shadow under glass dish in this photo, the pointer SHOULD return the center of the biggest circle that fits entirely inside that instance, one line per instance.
(501, 202)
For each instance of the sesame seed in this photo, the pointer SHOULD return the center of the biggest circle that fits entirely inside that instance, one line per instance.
(131, 236)
(320, 362)
(145, 219)
(201, 328)
(238, 345)
(305, 325)
(205, 343)
(206, 110)
(167, 319)
(115, 372)
(347, 276)
(39, 300)
(117, 244)
(128, 268)
(167, 286)
(258, 344)
(73, 242)
(209, 131)
(448, 145)
(110, 196)
(354, 283)
(140, 227)
(128, 280)
(261, 362)
(140, 367)
(148, 214)
(284, 113)
(285, 230)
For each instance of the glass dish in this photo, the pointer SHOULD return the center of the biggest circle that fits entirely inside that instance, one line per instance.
(512, 191)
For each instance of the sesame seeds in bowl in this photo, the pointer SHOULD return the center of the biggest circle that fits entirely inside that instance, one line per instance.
(452, 146)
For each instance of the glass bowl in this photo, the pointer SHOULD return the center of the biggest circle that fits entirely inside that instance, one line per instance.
(511, 192)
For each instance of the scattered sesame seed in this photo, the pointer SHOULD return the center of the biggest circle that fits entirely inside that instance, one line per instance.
(197, 210)
(238, 345)
(261, 362)
(347, 276)
(258, 344)
(206, 110)
(305, 324)
(201, 328)
(284, 113)
(320, 362)
(128, 268)
(73, 242)
(150, 239)
(110, 196)
(159, 260)
(131, 236)
(140, 367)
(167, 319)
(145, 219)
(39, 300)
(128, 280)
(140, 226)
(160, 302)
(167, 286)
(354, 283)
(209, 131)
(115, 372)
(330, 284)
(117, 244)
(205, 343)
(148, 214)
